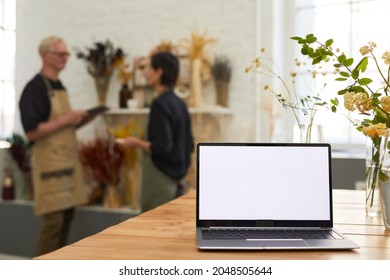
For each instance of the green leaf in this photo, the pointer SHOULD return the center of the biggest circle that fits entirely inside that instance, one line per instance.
(341, 79)
(348, 62)
(317, 60)
(329, 53)
(364, 81)
(334, 109)
(302, 42)
(321, 50)
(341, 58)
(344, 74)
(305, 50)
(380, 118)
(342, 92)
(310, 38)
(382, 176)
(334, 102)
(355, 74)
(296, 38)
(329, 42)
(357, 89)
(362, 65)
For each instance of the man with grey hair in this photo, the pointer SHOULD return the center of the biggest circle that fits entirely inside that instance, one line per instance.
(50, 125)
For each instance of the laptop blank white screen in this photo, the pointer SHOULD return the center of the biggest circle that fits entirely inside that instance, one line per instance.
(264, 183)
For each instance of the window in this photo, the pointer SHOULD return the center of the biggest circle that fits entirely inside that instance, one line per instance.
(352, 24)
(7, 67)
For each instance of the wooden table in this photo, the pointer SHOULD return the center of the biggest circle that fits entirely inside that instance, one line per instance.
(168, 232)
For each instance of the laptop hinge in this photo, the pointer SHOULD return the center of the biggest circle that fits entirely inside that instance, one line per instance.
(281, 228)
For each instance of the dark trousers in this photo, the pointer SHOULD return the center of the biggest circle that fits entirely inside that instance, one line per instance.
(54, 231)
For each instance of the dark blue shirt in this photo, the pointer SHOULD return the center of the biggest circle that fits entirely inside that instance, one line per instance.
(34, 103)
(170, 134)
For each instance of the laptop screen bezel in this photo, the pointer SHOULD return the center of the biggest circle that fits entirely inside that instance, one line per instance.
(263, 223)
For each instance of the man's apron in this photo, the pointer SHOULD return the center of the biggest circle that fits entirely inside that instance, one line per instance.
(57, 174)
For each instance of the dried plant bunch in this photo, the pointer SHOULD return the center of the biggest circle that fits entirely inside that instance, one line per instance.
(305, 101)
(100, 58)
(165, 46)
(221, 69)
(20, 152)
(196, 49)
(123, 131)
(103, 158)
(125, 73)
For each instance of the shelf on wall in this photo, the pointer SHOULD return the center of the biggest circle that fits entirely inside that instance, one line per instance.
(144, 111)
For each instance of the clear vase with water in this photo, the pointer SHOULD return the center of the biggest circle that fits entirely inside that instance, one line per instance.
(384, 189)
(377, 160)
(308, 133)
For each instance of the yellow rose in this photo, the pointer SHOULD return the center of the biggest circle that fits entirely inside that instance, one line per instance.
(381, 129)
(374, 130)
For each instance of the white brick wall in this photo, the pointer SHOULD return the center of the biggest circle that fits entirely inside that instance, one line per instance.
(136, 26)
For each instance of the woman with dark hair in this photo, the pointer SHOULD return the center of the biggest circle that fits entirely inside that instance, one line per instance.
(169, 141)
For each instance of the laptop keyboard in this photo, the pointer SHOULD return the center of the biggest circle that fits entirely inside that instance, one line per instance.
(269, 234)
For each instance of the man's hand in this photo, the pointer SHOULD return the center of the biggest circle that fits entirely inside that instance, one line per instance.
(75, 117)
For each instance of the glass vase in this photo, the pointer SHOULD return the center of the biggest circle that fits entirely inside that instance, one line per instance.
(308, 133)
(376, 166)
(384, 189)
(101, 84)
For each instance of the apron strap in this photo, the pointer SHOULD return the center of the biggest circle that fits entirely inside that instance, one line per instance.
(46, 81)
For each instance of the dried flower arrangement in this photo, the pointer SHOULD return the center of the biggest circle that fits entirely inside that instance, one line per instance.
(165, 46)
(221, 69)
(20, 152)
(103, 160)
(122, 131)
(200, 64)
(222, 72)
(196, 46)
(132, 163)
(101, 58)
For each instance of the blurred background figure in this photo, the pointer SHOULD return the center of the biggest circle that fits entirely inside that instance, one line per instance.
(169, 141)
(50, 124)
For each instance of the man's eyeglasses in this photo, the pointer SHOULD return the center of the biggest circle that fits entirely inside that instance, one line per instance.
(60, 54)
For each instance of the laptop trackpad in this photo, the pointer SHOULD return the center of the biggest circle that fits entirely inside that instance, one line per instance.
(277, 243)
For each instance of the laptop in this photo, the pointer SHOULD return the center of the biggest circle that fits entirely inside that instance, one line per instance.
(265, 196)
